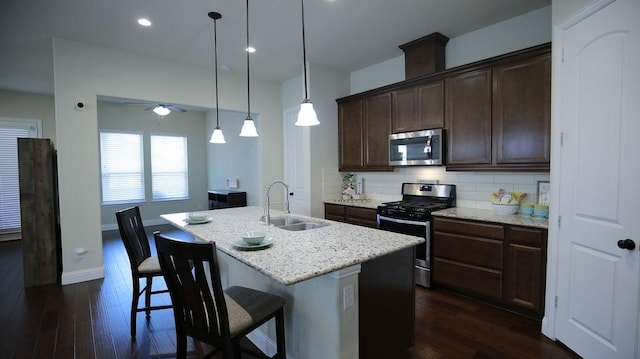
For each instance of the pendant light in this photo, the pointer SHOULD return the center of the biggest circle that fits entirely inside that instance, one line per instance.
(216, 136)
(307, 115)
(248, 127)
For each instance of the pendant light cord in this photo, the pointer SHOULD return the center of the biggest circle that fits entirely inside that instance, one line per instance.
(304, 55)
(247, 50)
(215, 55)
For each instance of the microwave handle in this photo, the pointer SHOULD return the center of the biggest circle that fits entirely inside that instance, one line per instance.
(427, 148)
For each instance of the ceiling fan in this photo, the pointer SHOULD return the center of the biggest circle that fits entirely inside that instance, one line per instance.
(161, 109)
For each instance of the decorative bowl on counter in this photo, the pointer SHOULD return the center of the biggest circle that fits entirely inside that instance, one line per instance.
(526, 209)
(253, 238)
(541, 210)
(505, 209)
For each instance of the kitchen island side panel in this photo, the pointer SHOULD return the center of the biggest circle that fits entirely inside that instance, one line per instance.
(387, 305)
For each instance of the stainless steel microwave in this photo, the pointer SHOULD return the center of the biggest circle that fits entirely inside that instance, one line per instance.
(418, 148)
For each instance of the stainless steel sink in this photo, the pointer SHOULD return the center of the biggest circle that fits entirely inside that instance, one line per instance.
(303, 226)
(284, 221)
(295, 223)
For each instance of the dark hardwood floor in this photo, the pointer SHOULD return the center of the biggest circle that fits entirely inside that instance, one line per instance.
(91, 319)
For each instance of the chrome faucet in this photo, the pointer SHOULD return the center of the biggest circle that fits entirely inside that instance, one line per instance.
(266, 216)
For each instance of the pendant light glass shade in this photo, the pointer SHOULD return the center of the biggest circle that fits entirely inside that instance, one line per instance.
(307, 115)
(161, 110)
(248, 127)
(216, 136)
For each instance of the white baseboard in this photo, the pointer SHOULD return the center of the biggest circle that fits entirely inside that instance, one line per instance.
(264, 343)
(82, 275)
(546, 330)
(147, 222)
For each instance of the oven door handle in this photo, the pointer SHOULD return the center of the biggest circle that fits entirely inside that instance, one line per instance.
(403, 221)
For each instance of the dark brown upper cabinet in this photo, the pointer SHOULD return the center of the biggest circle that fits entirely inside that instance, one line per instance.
(418, 107)
(350, 134)
(522, 111)
(498, 114)
(469, 118)
(363, 133)
(377, 112)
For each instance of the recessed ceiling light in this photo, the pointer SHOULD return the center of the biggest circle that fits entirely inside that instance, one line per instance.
(144, 22)
(250, 49)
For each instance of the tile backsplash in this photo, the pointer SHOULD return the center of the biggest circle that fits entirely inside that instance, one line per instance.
(472, 188)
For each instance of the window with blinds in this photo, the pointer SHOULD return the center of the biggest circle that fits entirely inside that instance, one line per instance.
(169, 170)
(10, 131)
(122, 167)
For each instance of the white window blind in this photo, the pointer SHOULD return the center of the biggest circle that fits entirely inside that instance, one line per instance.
(10, 131)
(122, 167)
(169, 174)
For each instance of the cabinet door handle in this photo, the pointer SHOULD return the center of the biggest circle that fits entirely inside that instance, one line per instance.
(627, 244)
(290, 193)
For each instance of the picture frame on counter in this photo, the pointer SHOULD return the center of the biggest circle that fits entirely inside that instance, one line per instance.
(544, 192)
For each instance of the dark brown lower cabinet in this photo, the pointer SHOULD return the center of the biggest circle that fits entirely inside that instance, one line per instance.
(335, 212)
(349, 214)
(526, 267)
(504, 265)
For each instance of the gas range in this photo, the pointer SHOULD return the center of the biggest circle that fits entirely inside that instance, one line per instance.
(412, 216)
(410, 210)
(419, 200)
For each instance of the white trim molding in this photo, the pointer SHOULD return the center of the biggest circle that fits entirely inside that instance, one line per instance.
(82, 275)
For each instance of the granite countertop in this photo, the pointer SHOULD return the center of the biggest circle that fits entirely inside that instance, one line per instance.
(295, 256)
(487, 215)
(365, 203)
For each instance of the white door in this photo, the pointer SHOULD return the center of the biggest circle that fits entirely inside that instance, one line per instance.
(297, 165)
(599, 191)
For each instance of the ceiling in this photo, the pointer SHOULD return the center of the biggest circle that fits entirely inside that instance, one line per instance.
(343, 35)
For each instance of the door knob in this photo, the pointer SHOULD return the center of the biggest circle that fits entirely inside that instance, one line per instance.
(290, 193)
(627, 244)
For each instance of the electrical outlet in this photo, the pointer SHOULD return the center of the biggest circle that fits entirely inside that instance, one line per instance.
(348, 297)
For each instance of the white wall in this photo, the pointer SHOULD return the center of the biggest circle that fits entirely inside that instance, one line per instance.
(565, 8)
(30, 106)
(377, 75)
(517, 33)
(191, 124)
(325, 86)
(237, 158)
(82, 72)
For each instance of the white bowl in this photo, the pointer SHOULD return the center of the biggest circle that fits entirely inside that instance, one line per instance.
(197, 216)
(253, 238)
(505, 209)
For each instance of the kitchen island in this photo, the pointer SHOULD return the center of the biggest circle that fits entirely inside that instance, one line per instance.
(349, 289)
